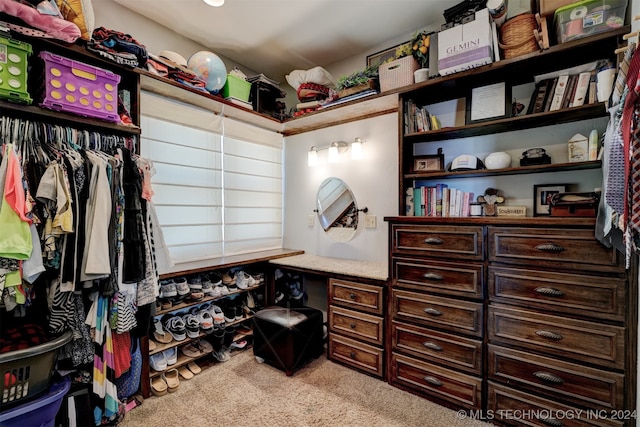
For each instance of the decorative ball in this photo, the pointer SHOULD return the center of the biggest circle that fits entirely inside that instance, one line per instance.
(498, 160)
(210, 68)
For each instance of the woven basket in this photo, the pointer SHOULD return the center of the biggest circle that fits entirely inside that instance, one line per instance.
(517, 36)
(397, 73)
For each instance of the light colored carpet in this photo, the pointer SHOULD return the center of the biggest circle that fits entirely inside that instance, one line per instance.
(243, 392)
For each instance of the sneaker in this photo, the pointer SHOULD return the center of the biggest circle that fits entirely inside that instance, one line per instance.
(168, 289)
(158, 362)
(215, 278)
(182, 288)
(239, 312)
(222, 355)
(294, 290)
(251, 303)
(207, 287)
(176, 327)
(218, 317)
(192, 325)
(238, 344)
(206, 321)
(217, 291)
(171, 355)
(244, 280)
(229, 313)
(279, 297)
(224, 290)
(228, 278)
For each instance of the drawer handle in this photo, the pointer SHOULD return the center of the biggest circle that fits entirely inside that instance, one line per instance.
(433, 241)
(433, 381)
(432, 346)
(550, 421)
(352, 355)
(550, 292)
(433, 311)
(352, 296)
(548, 377)
(432, 276)
(549, 335)
(353, 325)
(550, 247)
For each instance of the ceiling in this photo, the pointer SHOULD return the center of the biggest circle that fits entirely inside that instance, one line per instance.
(274, 37)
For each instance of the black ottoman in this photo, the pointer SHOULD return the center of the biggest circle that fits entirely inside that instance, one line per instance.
(288, 338)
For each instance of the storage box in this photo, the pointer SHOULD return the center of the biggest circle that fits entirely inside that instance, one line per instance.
(574, 204)
(397, 73)
(13, 70)
(41, 412)
(466, 46)
(236, 87)
(27, 372)
(548, 7)
(589, 17)
(78, 88)
(287, 338)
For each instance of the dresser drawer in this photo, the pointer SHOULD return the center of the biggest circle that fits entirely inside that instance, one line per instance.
(576, 384)
(355, 295)
(433, 346)
(460, 389)
(459, 242)
(356, 354)
(446, 313)
(583, 341)
(356, 325)
(457, 279)
(523, 409)
(582, 295)
(552, 247)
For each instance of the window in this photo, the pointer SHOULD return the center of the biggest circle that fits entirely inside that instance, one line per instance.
(217, 182)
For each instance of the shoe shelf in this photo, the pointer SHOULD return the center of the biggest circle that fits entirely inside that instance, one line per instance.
(187, 304)
(182, 360)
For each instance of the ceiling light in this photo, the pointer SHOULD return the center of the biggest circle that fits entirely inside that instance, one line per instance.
(214, 3)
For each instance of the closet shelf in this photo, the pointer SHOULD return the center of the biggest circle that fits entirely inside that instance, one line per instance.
(183, 305)
(59, 118)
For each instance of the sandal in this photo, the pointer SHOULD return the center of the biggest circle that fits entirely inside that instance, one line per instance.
(172, 378)
(190, 350)
(152, 345)
(193, 367)
(158, 386)
(185, 373)
(159, 334)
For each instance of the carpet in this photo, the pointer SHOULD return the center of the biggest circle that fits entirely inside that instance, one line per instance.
(243, 392)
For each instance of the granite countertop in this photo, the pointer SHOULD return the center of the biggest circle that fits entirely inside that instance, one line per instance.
(349, 267)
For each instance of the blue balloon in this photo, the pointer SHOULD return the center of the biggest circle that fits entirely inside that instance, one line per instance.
(210, 68)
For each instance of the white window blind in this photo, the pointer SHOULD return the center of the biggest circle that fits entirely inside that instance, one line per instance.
(218, 182)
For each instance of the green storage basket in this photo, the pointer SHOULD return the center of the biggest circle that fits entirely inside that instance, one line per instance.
(236, 87)
(13, 70)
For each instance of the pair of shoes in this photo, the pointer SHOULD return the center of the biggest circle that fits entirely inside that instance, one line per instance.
(192, 325)
(152, 345)
(172, 378)
(244, 280)
(194, 368)
(222, 356)
(185, 373)
(206, 321)
(218, 317)
(175, 326)
(168, 289)
(182, 288)
(207, 286)
(159, 334)
(251, 302)
(295, 290)
(158, 362)
(238, 344)
(228, 278)
(171, 355)
(159, 386)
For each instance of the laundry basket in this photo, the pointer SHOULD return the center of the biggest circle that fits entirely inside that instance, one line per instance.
(27, 373)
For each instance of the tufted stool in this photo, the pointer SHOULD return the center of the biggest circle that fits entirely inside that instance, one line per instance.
(287, 338)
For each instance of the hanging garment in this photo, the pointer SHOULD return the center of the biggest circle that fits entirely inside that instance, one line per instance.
(15, 234)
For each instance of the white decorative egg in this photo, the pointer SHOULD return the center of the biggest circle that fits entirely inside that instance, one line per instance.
(498, 160)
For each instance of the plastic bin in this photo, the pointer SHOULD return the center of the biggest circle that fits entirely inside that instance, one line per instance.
(589, 17)
(27, 373)
(13, 70)
(236, 87)
(79, 88)
(39, 413)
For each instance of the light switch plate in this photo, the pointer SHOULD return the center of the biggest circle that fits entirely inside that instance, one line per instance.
(369, 221)
(310, 220)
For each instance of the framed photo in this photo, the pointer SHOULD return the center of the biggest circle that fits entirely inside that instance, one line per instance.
(429, 163)
(541, 196)
(384, 55)
(490, 102)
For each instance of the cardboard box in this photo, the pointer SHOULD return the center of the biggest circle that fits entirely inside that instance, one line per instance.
(466, 46)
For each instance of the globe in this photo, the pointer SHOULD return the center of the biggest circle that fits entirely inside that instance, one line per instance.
(210, 68)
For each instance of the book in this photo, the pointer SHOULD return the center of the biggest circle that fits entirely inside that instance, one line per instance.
(558, 94)
(569, 91)
(582, 86)
(445, 201)
(438, 199)
(591, 99)
(408, 202)
(539, 96)
(550, 92)
(417, 201)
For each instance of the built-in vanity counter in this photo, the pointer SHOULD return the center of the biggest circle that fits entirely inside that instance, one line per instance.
(355, 308)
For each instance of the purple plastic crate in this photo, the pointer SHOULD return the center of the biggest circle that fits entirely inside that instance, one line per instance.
(38, 413)
(79, 88)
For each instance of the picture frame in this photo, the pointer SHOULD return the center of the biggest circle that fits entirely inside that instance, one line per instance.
(489, 102)
(541, 195)
(428, 163)
(384, 55)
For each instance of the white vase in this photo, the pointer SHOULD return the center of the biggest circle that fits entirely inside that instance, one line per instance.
(421, 75)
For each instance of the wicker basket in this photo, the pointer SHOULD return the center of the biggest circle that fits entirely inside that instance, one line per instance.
(397, 73)
(518, 36)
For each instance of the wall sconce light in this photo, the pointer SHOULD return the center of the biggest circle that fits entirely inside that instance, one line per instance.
(214, 3)
(334, 150)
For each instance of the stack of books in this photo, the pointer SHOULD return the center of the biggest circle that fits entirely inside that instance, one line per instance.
(418, 119)
(438, 200)
(564, 91)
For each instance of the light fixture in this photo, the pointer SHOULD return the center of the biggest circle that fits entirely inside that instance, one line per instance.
(214, 3)
(312, 156)
(334, 150)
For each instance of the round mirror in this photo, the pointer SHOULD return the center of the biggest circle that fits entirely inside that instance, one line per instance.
(337, 210)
